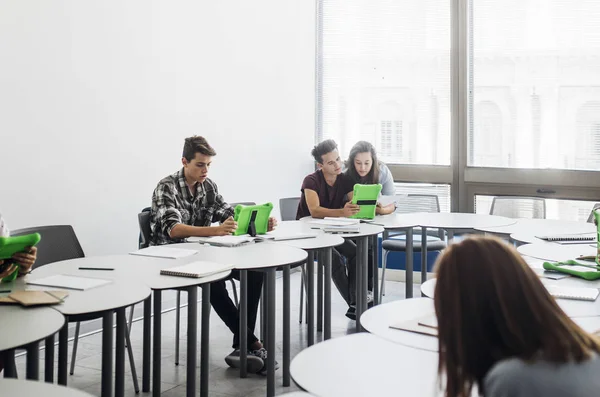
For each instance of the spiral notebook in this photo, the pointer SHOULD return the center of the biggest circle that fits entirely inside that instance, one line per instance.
(568, 237)
(196, 269)
(581, 294)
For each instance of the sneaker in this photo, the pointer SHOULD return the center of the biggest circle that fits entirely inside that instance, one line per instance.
(351, 313)
(369, 296)
(262, 354)
(253, 363)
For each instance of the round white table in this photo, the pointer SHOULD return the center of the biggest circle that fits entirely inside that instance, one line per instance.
(21, 388)
(321, 244)
(557, 252)
(26, 327)
(378, 319)
(266, 257)
(99, 302)
(365, 365)
(144, 270)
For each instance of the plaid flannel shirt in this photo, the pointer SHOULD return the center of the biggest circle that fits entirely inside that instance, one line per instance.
(173, 204)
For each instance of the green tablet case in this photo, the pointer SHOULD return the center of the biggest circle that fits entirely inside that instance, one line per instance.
(564, 267)
(252, 219)
(11, 245)
(366, 197)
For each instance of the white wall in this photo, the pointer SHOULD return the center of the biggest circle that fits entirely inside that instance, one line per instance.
(96, 98)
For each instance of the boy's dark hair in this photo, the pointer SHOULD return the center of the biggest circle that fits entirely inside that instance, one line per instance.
(197, 144)
(322, 148)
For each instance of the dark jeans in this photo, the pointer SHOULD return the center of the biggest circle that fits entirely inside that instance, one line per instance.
(229, 313)
(343, 273)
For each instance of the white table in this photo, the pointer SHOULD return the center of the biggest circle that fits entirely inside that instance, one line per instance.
(21, 388)
(267, 257)
(557, 252)
(135, 270)
(99, 302)
(378, 319)
(26, 327)
(365, 365)
(322, 243)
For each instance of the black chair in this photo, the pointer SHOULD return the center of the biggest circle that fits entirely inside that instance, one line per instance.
(407, 204)
(60, 243)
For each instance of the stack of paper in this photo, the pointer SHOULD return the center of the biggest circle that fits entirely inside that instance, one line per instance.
(196, 269)
(328, 221)
(161, 251)
(228, 241)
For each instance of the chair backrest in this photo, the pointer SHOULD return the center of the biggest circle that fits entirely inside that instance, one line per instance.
(144, 224)
(519, 207)
(58, 243)
(288, 208)
(418, 203)
(591, 217)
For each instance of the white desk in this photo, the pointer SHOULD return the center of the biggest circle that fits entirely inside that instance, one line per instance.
(267, 257)
(556, 252)
(362, 365)
(25, 327)
(322, 244)
(100, 302)
(21, 388)
(378, 319)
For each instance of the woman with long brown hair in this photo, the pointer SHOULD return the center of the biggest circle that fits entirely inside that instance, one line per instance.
(501, 330)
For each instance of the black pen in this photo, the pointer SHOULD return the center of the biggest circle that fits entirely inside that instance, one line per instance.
(96, 268)
(4, 291)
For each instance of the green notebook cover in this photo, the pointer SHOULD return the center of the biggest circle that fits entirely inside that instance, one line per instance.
(574, 268)
(10, 246)
(259, 214)
(366, 197)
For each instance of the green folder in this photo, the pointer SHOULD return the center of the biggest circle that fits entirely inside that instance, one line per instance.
(574, 268)
(366, 197)
(10, 246)
(252, 219)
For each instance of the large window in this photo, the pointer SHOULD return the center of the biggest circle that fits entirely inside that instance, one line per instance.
(385, 77)
(535, 84)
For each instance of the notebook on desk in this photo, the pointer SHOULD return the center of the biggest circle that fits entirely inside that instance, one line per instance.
(342, 229)
(159, 251)
(196, 269)
(582, 294)
(424, 325)
(35, 298)
(227, 241)
(69, 282)
(568, 238)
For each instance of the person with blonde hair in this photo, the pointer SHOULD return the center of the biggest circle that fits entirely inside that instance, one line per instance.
(500, 330)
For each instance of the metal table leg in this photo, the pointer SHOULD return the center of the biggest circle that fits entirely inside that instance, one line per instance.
(156, 344)
(243, 337)
(271, 294)
(423, 255)
(49, 359)
(107, 356)
(63, 352)
(310, 291)
(286, 326)
(33, 361)
(327, 282)
(147, 342)
(375, 256)
(120, 353)
(409, 264)
(192, 340)
(10, 369)
(362, 253)
(205, 339)
(319, 291)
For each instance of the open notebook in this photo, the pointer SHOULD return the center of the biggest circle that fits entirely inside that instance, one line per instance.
(160, 251)
(196, 269)
(582, 294)
(426, 325)
(69, 282)
(568, 238)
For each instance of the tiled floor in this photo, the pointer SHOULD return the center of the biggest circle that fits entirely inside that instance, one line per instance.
(224, 382)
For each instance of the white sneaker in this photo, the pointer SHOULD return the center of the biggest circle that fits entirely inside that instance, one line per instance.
(369, 296)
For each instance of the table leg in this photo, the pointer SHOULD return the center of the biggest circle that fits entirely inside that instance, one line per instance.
(263, 313)
(409, 264)
(156, 344)
(286, 326)
(423, 254)
(10, 369)
(63, 353)
(365, 277)
(310, 291)
(147, 345)
(272, 295)
(49, 359)
(319, 292)
(120, 353)
(362, 253)
(327, 282)
(32, 371)
(205, 339)
(192, 340)
(107, 356)
(375, 264)
(450, 236)
(243, 336)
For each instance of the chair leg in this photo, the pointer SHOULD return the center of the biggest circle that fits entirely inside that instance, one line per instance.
(383, 267)
(301, 293)
(130, 321)
(74, 353)
(177, 318)
(235, 294)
